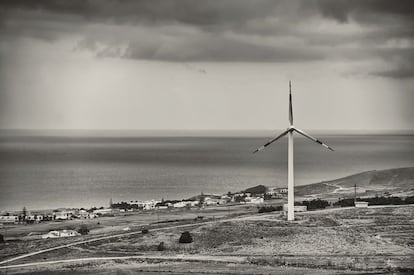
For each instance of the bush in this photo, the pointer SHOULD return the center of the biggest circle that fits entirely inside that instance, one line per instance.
(83, 230)
(409, 200)
(144, 230)
(161, 246)
(377, 201)
(345, 203)
(185, 238)
(316, 204)
(265, 209)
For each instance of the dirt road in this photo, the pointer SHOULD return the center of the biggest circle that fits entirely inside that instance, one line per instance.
(104, 238)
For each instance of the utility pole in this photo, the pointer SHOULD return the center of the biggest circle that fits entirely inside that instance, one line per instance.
(355, 194)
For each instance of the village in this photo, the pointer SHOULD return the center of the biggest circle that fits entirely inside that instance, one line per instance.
(256, 197)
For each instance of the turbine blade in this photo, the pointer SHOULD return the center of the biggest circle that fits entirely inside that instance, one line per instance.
(290, 104)
(271, 141)
(313, 139)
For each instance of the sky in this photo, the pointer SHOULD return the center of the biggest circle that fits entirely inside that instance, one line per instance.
(202, 65)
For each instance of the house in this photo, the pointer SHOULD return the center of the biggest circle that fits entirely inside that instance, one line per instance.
(211, 201)
(149, 205)
(192, 203)
(361, 204)
(34, 218)
(179, 204)
(282, 190)
(224, 200)
(60, 234)
(62, 215)
(254, 200)
(101, 212)
(9, 219)
(83, 214)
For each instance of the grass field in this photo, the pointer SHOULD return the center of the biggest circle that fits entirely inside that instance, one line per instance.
(343, 241)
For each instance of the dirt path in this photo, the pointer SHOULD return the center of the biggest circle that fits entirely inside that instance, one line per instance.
(105, 238)
(191, 258)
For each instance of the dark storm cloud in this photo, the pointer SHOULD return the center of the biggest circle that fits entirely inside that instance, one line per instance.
(366, 10)
(228, 30)
(185, 11)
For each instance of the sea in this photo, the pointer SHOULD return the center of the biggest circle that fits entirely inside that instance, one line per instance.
(77, 171)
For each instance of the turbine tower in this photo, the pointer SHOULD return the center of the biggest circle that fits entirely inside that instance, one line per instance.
(289, 132)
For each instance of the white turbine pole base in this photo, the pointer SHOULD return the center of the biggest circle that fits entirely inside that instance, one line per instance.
(291, 179)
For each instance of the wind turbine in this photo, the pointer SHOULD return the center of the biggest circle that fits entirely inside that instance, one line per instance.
(289, 132)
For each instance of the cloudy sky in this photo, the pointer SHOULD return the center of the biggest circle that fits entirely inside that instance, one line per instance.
(225, 64)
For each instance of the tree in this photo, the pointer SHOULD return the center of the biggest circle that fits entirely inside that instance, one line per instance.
(24, 213)
(316, 204)
(409, 200)
(1, 238)
(201, 200)
(83, 230)
(161, 246)
(185, 237)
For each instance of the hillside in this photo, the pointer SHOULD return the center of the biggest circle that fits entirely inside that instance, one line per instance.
(399, 181)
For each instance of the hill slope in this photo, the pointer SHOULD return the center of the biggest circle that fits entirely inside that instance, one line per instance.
(399, 181)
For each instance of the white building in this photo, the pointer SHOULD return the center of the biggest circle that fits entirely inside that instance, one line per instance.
(254, 200)
(192, 203)
(149, 205)
(60, 234)
(34, 218)
(179, 204)
(83, 214)
(102, 211)
(9, 219)
(361, 204)
(62, 215)
(211, 201)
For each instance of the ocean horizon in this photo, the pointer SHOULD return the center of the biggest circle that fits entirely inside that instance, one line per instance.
(47, 172)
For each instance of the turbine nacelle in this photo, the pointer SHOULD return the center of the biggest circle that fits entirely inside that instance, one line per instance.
(292, 128)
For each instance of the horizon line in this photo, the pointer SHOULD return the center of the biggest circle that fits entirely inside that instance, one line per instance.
(188, 132)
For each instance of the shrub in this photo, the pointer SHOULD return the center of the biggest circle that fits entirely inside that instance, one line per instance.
(377, 201)
(345, 203)
(265, 209)
(144, 230)
(185, 238)
(83, 230)
(161, 246)
(316, 204)
(409, 200)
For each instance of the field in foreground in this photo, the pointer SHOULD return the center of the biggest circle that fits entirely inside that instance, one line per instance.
(342, 241)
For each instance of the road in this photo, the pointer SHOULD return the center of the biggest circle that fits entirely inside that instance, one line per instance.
(105, 238)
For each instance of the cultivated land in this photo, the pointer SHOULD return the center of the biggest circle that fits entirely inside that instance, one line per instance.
(232, 239)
